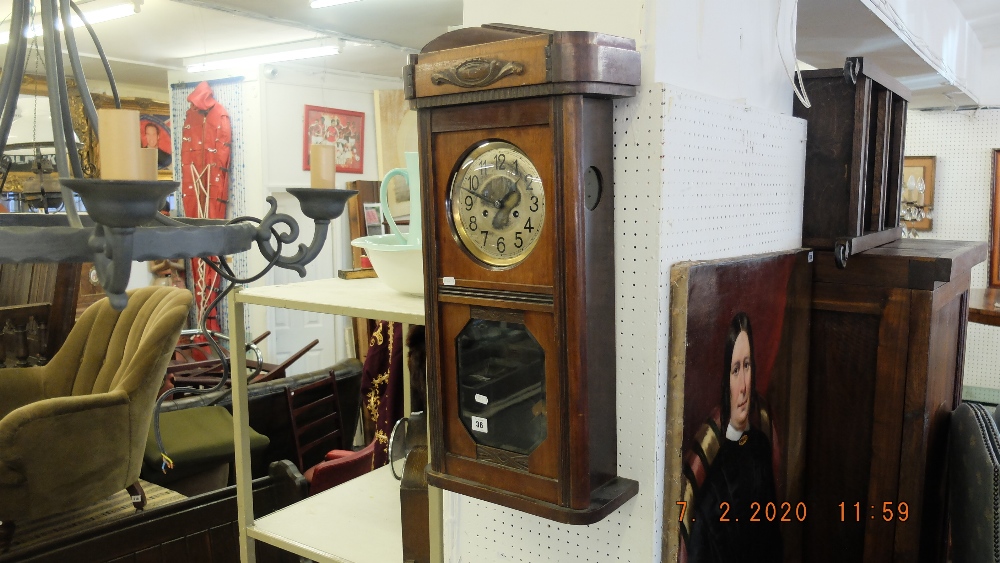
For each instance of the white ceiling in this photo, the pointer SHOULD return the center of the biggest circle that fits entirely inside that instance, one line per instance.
(984, 18)
(143, 47)
(830, 31)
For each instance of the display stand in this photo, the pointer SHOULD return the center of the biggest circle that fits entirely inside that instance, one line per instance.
(359, 520)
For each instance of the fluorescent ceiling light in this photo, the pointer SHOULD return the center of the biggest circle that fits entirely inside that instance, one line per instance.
(232, 60)
(327, 3)
(94, 16)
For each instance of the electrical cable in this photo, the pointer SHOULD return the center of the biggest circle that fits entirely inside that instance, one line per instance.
(226, 273)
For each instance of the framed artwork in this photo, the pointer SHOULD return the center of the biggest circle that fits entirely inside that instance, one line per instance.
(995, 222)
(154, 131)
(918, 191)
(343, 129)
(739, 342)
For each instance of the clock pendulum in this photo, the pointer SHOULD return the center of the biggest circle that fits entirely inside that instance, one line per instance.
(515, 128)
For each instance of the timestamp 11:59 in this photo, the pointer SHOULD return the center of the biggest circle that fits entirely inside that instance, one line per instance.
(890, 511)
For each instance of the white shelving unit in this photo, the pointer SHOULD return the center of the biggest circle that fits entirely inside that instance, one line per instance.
(358, 521)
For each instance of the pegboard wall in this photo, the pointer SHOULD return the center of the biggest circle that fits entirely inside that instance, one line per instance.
(695, 178)
(963, 142)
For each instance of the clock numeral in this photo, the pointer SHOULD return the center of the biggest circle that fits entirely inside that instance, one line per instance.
(518, 241)
(474, 183)
(482, 168)
(534, 204)
(472, 224)
(501, 246)
(486, 235)
(517, 172)
(500, 161)
(468, 203)
(528, 179)
(527, 225)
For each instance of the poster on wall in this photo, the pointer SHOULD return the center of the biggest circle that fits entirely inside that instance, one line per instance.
(343, 129)
(739, 342)
(154, 132)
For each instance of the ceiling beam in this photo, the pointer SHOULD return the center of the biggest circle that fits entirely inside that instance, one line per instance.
(219, 7)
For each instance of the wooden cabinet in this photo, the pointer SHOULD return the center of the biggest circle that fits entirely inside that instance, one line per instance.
(854, 157)
(886, 356)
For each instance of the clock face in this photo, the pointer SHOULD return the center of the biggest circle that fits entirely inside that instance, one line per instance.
(497, 204)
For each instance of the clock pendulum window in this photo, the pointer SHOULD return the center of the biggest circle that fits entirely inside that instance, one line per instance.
(515, 128)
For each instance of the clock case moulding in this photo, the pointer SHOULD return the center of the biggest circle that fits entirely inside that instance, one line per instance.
(550, 94)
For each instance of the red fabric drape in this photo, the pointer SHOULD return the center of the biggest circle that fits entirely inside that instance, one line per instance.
(206, 145)
(382, 385)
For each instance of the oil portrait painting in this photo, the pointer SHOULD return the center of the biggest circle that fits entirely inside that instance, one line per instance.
(736, 410)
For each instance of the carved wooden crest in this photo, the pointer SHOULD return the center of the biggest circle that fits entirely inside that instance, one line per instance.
(477, 73)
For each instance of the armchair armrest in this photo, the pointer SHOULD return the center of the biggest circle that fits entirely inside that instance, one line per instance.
(19, 387)
(78, 424)
(67, 450)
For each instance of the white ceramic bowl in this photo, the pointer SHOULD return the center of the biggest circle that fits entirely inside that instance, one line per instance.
(400, 266)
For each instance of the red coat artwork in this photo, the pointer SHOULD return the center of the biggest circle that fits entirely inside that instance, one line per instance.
(206, 146)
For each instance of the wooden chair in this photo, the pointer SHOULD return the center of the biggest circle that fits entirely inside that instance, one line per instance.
(195, 365)
(317, 426)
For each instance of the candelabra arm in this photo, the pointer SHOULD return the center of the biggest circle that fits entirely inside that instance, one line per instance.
(266, 230)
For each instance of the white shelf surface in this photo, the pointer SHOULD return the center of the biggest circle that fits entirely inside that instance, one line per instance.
(367, 298)
(356, 522)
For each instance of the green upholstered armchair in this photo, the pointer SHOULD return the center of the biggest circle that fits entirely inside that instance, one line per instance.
(73, 431)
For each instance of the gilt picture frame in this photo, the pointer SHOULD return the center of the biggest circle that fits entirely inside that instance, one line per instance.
(918, 188)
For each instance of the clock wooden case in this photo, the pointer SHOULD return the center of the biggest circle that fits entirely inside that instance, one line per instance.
(515, 128)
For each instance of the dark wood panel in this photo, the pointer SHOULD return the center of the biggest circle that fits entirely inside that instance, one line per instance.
(888, 444)
(843, 353)
(151, 555)
(175, 550)
(983, 307)
(225, 543)
(496, 115)
(887, 424)
(199, 547)
(906, 263)
(854, 156)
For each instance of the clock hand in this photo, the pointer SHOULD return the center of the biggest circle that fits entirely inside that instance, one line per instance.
(502, 218)
(482, 197)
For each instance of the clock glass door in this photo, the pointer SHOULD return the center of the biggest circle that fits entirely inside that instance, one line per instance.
(501, 380)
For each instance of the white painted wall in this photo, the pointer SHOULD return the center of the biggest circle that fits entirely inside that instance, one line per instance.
(963, 142)
(717, 47)
(285, 91)
(724, 49)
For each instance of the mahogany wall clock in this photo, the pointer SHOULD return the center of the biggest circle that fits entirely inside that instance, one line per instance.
(515, 129)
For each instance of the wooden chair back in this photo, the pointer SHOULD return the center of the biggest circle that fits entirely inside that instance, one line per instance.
(317, 426)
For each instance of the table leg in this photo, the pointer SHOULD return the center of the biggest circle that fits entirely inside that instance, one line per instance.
(241, 426)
